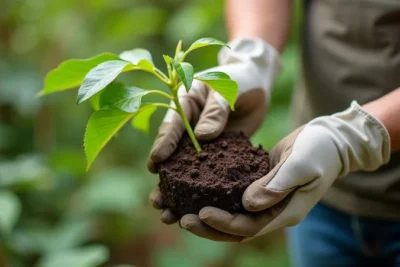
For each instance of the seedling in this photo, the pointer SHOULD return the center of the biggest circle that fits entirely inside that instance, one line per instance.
(116, 103)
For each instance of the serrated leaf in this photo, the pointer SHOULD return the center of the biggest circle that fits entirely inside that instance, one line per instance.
(102, 126)
(10, 208)
(205, 42)
(125, 98)
(70, 73)
(99, 77)
(185, 72)
(141, 120)
(94, 255)
(139, 57)
(222, 83)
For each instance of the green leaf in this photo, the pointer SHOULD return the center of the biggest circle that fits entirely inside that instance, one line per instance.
(178, 49)
(10, 207)
(179, 56)
(139, 57)
(141, 120)
(71, 73)
(185, 72)
(167, 59)
(99, 77)
(205, 42)
(125, 98)
(94, 255)
(95, 101)
(221, 83)
(145, 65)
(102, 125)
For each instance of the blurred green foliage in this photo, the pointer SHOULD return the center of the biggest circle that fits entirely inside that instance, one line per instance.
(54, 213)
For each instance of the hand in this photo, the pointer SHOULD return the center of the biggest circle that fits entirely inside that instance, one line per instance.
(250, 62)
(305, 164)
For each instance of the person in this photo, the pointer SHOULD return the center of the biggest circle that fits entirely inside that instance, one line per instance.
(336, 177)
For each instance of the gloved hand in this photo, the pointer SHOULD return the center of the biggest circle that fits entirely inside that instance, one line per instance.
(305, 164)
(253, 64)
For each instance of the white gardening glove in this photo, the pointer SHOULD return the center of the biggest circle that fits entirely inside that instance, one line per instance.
(253, 64)
(305, 164)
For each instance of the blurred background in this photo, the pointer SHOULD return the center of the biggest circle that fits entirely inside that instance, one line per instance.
(54, 213)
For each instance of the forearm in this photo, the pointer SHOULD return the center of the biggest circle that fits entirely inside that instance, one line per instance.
(266, 19)
(387, 110)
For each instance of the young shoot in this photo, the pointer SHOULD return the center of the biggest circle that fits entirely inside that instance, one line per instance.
(116, 103)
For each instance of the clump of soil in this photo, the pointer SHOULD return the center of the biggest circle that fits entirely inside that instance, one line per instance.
(215, 177)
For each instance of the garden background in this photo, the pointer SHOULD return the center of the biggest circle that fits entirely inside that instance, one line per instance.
(53, 212)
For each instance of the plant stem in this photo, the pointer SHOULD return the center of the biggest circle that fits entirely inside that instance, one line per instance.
(156, 72)
(174, 84)
(162, 105)
(162, 93)
(169, 70)
(178, 85)
(161, 76)
(187, 124)
(161, 73)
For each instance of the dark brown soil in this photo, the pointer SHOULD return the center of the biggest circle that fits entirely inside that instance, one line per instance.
(216, 177)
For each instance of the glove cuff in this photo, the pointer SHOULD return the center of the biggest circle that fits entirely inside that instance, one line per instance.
(263, 58)
(374, 148)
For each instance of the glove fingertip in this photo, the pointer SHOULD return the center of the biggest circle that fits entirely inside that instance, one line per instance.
(209, 212)
(156, 199)
(251, 205)
(158, 203)
(189, 221)
(194, 225)
(258, 198)
(206, 133)
(162, 151)
(168, 217)
(261, 198)
(212, 120)
(157, 155)
(152, 167)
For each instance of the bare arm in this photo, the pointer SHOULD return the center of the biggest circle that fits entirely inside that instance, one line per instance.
(387, 110)
(266, 19)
